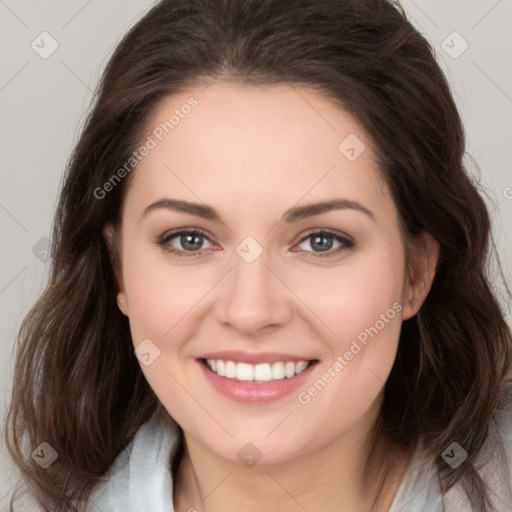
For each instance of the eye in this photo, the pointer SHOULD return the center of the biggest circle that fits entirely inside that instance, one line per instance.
(322, 242)
(190, 240)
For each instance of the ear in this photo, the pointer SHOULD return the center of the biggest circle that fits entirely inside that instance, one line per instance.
(422, 259)
(112, 240)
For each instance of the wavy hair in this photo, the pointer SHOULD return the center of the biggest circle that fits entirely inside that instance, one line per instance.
(77, 383)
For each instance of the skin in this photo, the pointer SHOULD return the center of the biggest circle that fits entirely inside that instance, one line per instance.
(252, 153)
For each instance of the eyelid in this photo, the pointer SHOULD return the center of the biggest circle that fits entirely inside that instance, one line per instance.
(346, 243)
(345, 240)
(179, 231)
(326, 231)
(164, 239)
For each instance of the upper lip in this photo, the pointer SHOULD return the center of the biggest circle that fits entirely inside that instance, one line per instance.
(239, 356)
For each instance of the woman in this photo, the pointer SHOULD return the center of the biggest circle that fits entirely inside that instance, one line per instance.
(269, 284)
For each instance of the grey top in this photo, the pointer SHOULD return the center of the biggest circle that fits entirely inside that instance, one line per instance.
(140, 478)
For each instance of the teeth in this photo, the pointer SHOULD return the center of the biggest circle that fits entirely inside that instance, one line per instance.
(230, 369)
(278, 371)
(289, 369)
(264, 372)
(244, 371)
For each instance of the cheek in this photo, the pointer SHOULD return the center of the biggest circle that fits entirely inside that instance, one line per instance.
(368, 309)
(361, 307)
(369, 338)
(160, 295)
(162, 301)
(352, 299)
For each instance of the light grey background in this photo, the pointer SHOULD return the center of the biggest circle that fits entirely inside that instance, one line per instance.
(43, 103)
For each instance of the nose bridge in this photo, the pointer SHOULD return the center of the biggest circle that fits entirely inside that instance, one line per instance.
(252, 297)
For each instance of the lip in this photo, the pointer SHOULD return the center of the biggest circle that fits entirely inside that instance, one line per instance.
(251, 393)
(238, 356)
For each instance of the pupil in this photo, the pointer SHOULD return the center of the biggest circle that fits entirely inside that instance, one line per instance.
(193, 242)
(188, 241)
(325, 242)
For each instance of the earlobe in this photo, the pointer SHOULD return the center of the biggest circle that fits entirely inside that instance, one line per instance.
(121, 303)
(422, 265)
(110, 238)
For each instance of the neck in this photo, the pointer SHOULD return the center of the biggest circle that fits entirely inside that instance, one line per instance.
(330, 479)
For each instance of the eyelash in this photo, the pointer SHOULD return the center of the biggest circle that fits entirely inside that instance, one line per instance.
(345, 242)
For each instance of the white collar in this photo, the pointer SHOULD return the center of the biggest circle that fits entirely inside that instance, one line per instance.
(140, 478)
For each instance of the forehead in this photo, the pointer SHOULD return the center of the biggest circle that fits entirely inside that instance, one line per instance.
(248, 143)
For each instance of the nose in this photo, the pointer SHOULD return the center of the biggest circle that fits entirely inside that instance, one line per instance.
(253, 299)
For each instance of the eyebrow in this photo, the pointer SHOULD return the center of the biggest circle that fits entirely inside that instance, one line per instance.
(291, 215)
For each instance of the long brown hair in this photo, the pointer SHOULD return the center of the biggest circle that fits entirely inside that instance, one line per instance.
(77, 383)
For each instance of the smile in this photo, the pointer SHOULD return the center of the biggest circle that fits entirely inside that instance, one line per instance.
(258, 373)
(256, 383)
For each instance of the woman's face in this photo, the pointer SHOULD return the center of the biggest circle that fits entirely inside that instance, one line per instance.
(272, 278)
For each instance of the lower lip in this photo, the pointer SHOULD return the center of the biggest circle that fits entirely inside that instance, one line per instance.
(249, 392)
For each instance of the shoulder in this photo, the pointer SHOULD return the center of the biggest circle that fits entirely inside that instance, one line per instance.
(19, 498)
(143, 464)
(421, 490)
(504, 435)
(493, 464)
(504, 427)
(20, 501)
(141, 478)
